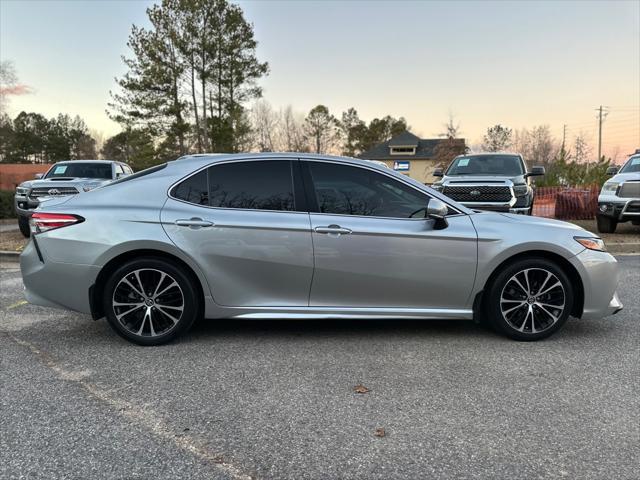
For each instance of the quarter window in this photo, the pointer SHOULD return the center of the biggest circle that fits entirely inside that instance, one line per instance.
(194, 189)
(259, 185)
(347, 190)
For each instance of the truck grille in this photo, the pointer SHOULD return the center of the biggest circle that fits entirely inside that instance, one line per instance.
(630, 190)
(52, 191)
(478, 193)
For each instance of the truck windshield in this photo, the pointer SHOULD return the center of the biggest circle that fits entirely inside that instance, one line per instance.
(80, 170)
(632, 165)
(505, 165)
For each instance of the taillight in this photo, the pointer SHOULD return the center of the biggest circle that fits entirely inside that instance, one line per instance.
(41, 222)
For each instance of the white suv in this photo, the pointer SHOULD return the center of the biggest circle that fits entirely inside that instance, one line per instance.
(619, 199)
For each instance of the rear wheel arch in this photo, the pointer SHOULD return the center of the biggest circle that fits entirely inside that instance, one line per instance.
(96, 290)
(563, 263)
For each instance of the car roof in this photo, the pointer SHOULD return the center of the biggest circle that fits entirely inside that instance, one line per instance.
(487, 154)
(88, 161)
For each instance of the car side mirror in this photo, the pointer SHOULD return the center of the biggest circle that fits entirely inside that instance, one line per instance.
(536, 172)
(38, 176)
(438, 172)
(437, 210)
(611, 171)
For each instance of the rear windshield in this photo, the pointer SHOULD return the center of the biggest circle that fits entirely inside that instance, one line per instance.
(141, 173)
(507, 165)
(80, 170)
(632, 165)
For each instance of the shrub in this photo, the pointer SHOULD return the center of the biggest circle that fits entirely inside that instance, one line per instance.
(6, 204)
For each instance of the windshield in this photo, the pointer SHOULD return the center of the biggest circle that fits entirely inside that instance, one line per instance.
(506, 165)
(632, 165)
(80, 170)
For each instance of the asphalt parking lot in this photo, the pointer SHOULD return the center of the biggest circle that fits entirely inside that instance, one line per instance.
(276, 399)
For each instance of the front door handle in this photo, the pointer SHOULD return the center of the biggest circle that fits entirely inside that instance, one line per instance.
(333, 229)
(194, 222)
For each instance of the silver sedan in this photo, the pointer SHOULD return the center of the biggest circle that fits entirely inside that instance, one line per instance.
(305, 236)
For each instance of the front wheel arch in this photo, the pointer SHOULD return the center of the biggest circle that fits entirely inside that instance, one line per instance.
(563, 263)
(96, 290)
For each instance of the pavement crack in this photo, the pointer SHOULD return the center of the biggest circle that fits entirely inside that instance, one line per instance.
(145, 418)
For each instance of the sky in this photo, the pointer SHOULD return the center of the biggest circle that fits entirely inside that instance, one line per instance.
(516, 63)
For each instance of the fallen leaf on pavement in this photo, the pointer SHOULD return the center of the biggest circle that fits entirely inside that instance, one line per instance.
(360, 389)
(379, 432)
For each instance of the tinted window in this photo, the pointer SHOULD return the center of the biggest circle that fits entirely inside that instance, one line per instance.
(508, 165)
(194, 189)
(632, 165)
(141, 173)
(347, 190)
(261, 185)
(80, 170)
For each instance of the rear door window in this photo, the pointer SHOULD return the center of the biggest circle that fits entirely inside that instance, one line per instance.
(256, 185)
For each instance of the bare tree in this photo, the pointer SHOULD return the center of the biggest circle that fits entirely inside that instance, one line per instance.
(537, 146)
(9, 85)
(291, 131)
(582, 149)
(265, 123)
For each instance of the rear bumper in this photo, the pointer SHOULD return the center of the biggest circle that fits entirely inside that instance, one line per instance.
(599, 274)
(45, 280)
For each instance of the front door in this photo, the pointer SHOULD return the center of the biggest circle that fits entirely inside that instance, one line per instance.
(238, 221)
(372, 249)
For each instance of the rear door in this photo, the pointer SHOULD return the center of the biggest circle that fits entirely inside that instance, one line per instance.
(374, 248)
(245, 223)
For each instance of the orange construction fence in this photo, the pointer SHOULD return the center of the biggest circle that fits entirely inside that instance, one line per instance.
(567, 203)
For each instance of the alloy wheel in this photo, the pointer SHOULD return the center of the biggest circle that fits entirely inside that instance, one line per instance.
(532, 300)
(148, 302)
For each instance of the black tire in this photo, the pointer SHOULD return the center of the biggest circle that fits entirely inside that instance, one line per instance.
(606, 224)
(159, 307)
(23, 225)
(532, 320)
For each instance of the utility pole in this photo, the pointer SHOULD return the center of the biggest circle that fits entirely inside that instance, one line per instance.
(601, 116)
(564, 137)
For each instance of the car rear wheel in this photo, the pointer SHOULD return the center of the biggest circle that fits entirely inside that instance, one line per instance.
(150, 301)
(529, 299)
(606, 224)
(23, 225)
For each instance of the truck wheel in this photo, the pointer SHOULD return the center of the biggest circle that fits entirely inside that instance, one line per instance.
(606, 224)
(23, 225)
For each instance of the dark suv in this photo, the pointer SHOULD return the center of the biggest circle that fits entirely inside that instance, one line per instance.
(489, 181)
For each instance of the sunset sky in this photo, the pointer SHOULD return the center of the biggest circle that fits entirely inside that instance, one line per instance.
(517, 63)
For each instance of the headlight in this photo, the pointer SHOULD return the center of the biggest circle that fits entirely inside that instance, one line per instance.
(22, 191)
(520, 190)
(592, 243)
(610, 187)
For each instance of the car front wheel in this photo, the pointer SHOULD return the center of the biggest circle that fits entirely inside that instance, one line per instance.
(529, 299)
(23, 225)
(606, 224)
(150, 301)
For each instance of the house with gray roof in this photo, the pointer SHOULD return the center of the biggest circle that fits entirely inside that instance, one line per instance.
(414, 156)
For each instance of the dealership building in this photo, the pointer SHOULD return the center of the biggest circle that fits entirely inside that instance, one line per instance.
(411, 155)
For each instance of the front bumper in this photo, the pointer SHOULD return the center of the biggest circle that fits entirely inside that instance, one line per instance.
(599, 274)
(620, 209)
(45, 280)
(25, 206)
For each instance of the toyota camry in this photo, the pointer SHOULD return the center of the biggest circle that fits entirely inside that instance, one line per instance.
(305, 236)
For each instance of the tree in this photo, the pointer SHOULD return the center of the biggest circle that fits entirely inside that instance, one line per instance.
(134, 147)
(450, 146)
(321, 128)
(582, 148)
(264, 125)
(497, 138)
(9, 84)
(537, 146)
(354, 132)
(382, 129)
(291, 131)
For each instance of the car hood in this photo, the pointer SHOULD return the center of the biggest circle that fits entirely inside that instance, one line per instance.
(625, 177)
(72, 182)
(483, 179)
(540, 221)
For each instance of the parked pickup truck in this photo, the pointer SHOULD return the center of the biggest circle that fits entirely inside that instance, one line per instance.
(489, 181)
(64, 178)
(619, 199)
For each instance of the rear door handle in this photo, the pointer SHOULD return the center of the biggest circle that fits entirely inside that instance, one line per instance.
(333, 229)
(193, 222)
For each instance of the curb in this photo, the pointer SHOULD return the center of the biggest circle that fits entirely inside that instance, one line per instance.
(9, 256)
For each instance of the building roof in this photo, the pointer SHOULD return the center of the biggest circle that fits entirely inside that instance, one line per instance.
(425, 148)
